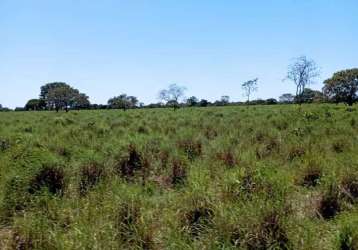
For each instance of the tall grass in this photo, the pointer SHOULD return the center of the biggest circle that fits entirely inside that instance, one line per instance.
(263, 177)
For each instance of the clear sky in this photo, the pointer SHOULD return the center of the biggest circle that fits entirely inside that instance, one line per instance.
(108, 47)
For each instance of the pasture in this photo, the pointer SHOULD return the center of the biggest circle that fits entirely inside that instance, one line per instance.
(257, 177)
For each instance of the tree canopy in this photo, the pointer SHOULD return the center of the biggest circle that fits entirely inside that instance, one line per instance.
(309, 96)
(287, 98)
(59, 95)
(342, 86)
(35, 104)
(123, 102)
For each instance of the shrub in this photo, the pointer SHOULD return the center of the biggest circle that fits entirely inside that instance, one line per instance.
(178, 172)
(348, 238)
(126, 221)
(192, 149)
(64, 152)
(197, 220)
(15, 197)
(270, 146)
(296, 152)
(329, 205)
(228, 158)
(90, 175)
(130, 230)
(270, 234)
(4, 144)
(311, 176)
(49, 177)
(21, 242)
(350, 187)
(339, 146)
(128, 166)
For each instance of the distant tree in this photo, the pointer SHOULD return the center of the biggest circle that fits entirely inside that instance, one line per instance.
(225, 99)
(203, 103)
(80, 101)
(258, 102)
(123, 102)
(271, 101)
(155, 105)
(59, 95)
(249, 87)
(172, 95)
(287, 98)
(35, 104)
(302, 73)
(4, 109)
(192, 101)
(49, 86)
(342, 86)
(319, 97)
(309, 96)
(133, 102)
(98, 106)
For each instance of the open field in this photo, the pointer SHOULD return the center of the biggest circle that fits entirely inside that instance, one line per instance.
(260, 177)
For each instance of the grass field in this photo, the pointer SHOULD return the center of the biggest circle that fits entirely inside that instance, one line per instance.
(259, 177)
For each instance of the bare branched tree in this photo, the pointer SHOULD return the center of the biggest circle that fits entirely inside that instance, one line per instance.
(302, 72)
(172, 95)
(249, 87)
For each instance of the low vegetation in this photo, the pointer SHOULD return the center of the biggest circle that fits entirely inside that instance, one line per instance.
(259, 177)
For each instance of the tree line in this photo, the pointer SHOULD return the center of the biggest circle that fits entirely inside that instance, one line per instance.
(341, 87)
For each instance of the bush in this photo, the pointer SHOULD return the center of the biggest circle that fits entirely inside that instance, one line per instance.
(132, 163)
(49, 177)
(90, 175)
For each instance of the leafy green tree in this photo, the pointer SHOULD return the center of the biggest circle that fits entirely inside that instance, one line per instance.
(225, 99)
(49, 86)
(59, 95)
(123, 102)
(203, 103)
(80, 101)
(271, 101)
(192, 101)
(3, 109)
(287, 98)
(342, 86)
(309, 96)
(35, 104)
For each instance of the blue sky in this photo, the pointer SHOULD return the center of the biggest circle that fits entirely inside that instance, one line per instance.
(105, 48)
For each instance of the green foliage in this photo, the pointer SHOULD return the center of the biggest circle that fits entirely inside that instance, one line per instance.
(59, 95)
(123, 102)
(342, 86)
(263, 177)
